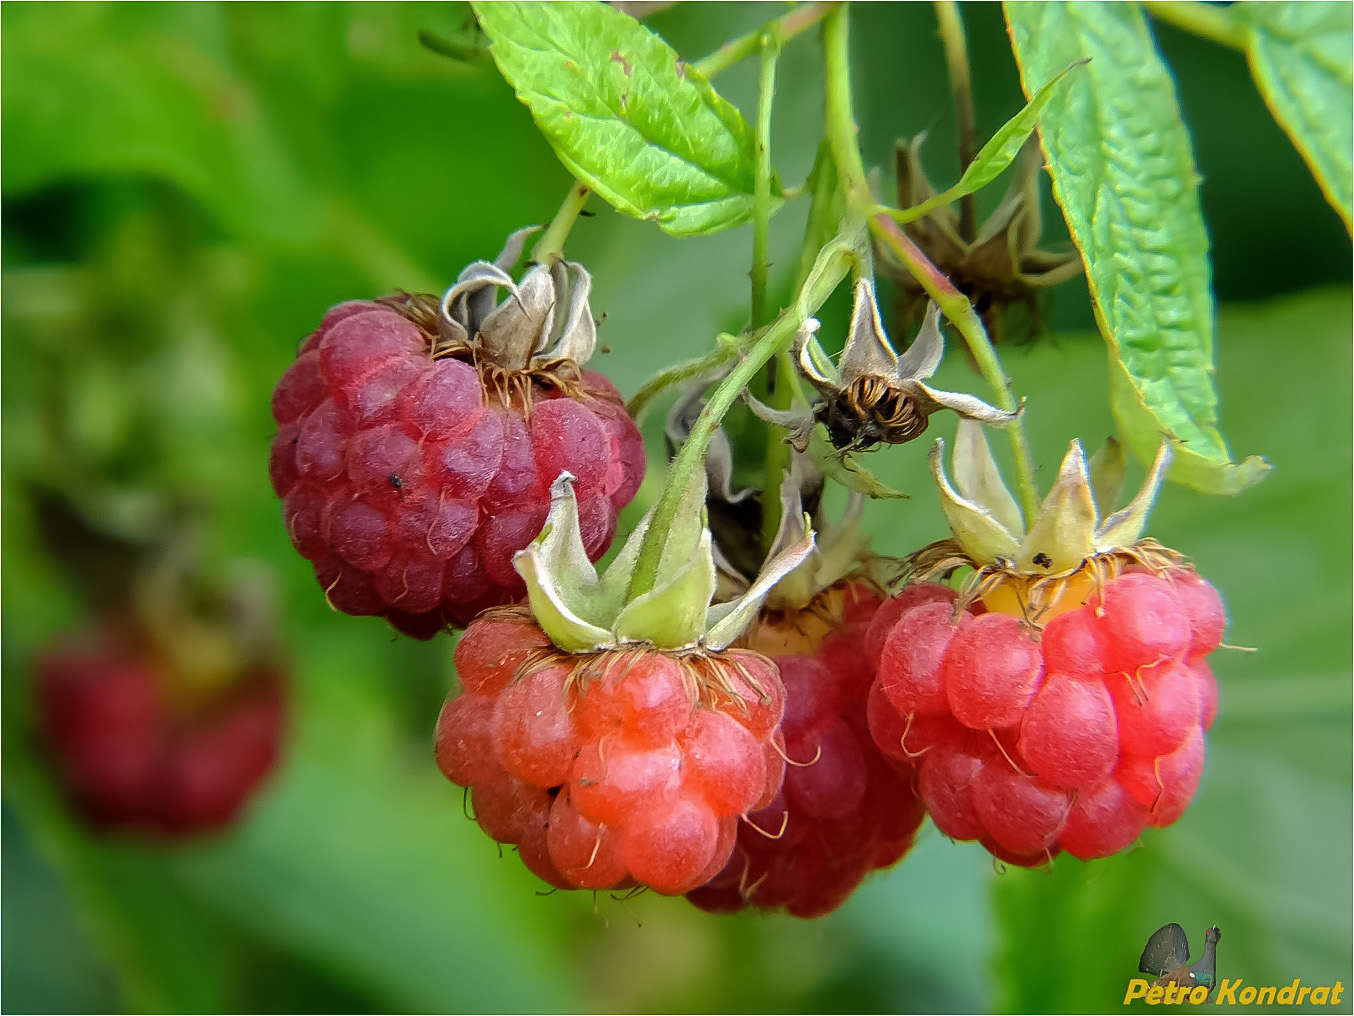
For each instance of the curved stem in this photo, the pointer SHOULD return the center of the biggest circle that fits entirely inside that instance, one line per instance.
(783, 29)
(841, 122)
(761, 347)
(761, 215)
(841, 128)
(961, 87)
(687, 370)
(957, 308)
(551, 244)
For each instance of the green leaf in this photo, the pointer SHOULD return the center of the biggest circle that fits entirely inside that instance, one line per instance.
(1300, 56)
(1124, 174)
(997, 154)
(625, 115)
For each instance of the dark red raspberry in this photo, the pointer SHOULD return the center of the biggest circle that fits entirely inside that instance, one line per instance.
(1074, 738)
(413, 468)
(617, 768)
(843, 810)
(136, 750)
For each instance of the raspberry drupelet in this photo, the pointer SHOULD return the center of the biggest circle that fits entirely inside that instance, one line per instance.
(617, 768)
(1052, 706)
(137, 749)
(418, 440)
(606, 729)
(844, 810)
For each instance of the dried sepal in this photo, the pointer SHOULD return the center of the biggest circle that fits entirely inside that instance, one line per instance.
(1000, 265)
(545, 320)
(1067, 529)
(977, 478)
(1127, 524)
(1108, 468)
(976, 527)
(1063, 533)
(875, 395)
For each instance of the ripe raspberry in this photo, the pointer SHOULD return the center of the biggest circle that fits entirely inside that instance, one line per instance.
(614, 768)
(418, 440)
(137, 751)
(843, 810)
(1076, 738)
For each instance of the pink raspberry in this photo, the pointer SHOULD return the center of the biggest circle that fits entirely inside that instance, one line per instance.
(1074, 738)
(135, 754)
(611, 769)
(843, 810)
(412, 467)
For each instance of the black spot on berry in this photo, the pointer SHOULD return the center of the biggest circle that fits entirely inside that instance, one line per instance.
(395, 481)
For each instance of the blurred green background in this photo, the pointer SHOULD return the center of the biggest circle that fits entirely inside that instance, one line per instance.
(186, 189)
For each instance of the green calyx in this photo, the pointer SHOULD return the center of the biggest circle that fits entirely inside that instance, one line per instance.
(583, 611)
(1068, 528)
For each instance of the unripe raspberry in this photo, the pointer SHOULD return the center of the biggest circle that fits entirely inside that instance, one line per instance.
(139, 751)
(843, 811)
(612, 768)
(417, 443)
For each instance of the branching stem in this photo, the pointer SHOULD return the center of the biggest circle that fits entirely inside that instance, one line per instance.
(783, 29)
(841, 130)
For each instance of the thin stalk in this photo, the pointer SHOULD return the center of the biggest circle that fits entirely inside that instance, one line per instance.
(761, 347)
(783, 29)
(1204, 20)
(841, 122)
(687, 370)
(761, 210)
(824, 215)
(760, 220)
(961, 87)
(957, 308)
(841, 130)
(551, 244)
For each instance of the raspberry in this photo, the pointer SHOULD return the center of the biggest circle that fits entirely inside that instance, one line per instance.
(412, 467)
(1074, 738)
(843, 811)
(136, 751)
(612, 768)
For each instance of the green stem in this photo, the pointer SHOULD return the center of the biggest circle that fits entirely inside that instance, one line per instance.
(761, 214)
(760, 221)
(687, 370)
(1204, 20)
(550, 246)
(841, 122)
(824, 216)
(761, 347)
(841, 129)
(783, 29)
(961, 87)
(957, 308)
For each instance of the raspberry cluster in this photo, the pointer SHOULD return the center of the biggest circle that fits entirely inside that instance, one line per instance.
(410, 480)
(843, 810)
(612, 769)
(133, 755)
(1074, 739)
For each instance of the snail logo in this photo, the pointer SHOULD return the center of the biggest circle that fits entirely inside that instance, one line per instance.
(1178, 981)
(1166, 957)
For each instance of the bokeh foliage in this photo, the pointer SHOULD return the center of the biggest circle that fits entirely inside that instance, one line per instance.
(187, 187)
